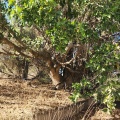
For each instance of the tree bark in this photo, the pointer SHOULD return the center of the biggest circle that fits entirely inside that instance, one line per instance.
(25, 69)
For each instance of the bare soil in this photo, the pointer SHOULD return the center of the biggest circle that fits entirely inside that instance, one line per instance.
(22, 100)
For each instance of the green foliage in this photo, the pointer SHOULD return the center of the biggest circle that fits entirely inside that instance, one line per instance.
(78, 87)
(48, 15)
(102, 64)
(103, 56)
(108, 93)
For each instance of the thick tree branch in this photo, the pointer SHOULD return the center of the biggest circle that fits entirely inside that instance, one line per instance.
(44, 54)
(18, 49)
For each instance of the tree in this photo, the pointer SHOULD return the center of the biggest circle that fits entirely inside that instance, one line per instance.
(73, 37)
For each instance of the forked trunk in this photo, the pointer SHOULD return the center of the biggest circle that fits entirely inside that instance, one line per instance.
(70, 69)
(63, 77)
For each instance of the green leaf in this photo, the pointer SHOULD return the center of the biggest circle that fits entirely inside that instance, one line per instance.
(18, 9)
(11, 2)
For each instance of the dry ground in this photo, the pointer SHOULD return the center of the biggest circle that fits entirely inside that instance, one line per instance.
(100, 115)
(21, 100)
